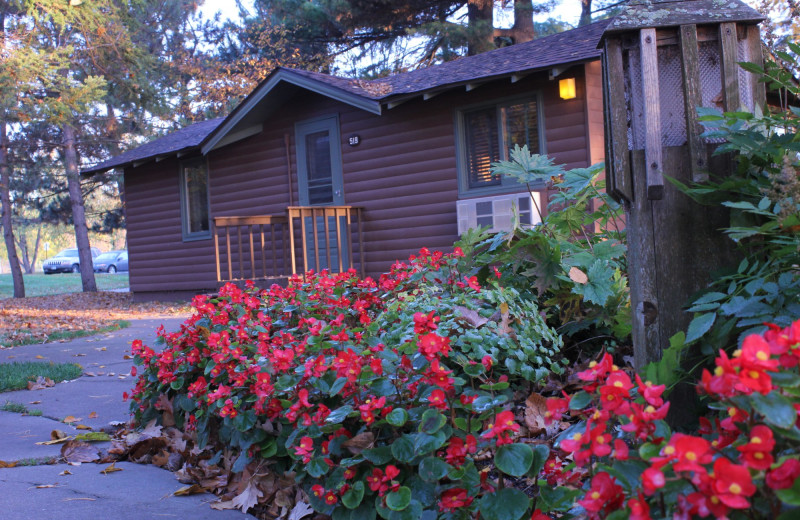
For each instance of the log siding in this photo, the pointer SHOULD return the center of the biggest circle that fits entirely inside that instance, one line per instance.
(403, 174)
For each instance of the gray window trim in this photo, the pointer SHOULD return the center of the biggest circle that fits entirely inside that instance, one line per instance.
(331, 124)
(186, 235)
(507, 185)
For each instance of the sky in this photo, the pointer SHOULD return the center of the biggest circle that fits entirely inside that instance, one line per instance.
(569, 10)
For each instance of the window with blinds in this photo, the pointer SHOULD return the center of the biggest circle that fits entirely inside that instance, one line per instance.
(487, 135)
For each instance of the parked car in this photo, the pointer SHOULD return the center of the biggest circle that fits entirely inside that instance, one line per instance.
(66, 261)
(111, 262)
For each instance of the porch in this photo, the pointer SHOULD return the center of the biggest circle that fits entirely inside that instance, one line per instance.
(278, 246)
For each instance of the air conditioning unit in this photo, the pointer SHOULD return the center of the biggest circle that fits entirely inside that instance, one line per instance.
(496, 212)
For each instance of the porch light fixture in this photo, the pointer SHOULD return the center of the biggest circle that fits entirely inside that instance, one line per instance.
(566, 88)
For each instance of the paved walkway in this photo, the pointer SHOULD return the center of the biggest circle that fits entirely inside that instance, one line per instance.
(42, 491)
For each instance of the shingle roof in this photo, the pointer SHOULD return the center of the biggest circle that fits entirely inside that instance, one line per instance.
(184, 139)
(563, 48)
(575, 46)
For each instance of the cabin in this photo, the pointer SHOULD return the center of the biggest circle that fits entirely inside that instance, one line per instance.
(313, 171)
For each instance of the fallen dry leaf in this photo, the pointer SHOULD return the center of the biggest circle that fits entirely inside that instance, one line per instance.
(535, 410)
(39, 356)
(470, 317)
(247, 498)
(34, 319)
(79, 451)
(46, 486)
(41, 383)
(110, 469)
(82, 427)
(194, 489)
(92, 415)
(359, 443)
(64, 473)
(578, 276)
(4, 464)
(70, 419)
(300, 510)
(56, 437)
(35, 402)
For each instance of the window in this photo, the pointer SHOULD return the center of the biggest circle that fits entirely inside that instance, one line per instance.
(194, 199)
(487, 133)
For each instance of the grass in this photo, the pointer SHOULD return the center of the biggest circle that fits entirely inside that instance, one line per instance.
(69, 334)
(48, 284)
(15, 376)
(13, 407)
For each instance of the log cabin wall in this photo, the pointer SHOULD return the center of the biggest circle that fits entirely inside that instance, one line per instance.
(403, 173)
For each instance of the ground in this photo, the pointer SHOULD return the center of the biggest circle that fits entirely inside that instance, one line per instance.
(65, 316)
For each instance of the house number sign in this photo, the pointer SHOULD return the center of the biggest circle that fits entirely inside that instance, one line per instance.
(354, 140)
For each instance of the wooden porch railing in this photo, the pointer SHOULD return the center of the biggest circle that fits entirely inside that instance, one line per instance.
(270, 246)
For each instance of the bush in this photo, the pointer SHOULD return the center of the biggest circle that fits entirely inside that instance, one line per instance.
(742, 464)
(377, 396)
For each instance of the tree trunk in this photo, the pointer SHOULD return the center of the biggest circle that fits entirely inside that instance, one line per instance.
(78, 211)
(586, 12)
(8, 230)
(480, 16)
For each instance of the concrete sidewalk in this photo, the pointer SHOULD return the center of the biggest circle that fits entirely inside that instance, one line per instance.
(43, 491)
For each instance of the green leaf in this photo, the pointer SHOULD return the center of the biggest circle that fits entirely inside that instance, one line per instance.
(699, 326)
(398, 500)
(353, 497)
(93, 437)
(403, 449)
(397, 417)
(433, 469)
(786, 379)
(339, 415)
(710, 297)
(316, 467)
(432, 421)
(791, 495)
(337, 386)
(600, 285)
(378, 456)
(580, 401)
(776, 409)
(560, 499)
(649, 450)
(514, 459)
(505, 504)
(540, 454)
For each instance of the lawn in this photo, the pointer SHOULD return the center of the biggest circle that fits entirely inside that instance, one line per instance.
(45, 285)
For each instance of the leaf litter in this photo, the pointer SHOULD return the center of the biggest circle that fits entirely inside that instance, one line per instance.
(33, 320)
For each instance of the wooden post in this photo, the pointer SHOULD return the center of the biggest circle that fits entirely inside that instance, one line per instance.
(674, 244)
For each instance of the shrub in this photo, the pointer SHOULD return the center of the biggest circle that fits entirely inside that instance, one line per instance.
(742, 464)
(377, 396)
(573, 263)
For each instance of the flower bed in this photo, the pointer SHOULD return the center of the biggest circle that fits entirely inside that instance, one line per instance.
(377, 396)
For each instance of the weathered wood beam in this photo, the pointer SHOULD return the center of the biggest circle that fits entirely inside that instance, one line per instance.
(618, 121)
(729, 53)
(393, 104)
(693, 98)
(473, 85)
(757, 57)
(557, 71)
(652, 114)
(519, 76)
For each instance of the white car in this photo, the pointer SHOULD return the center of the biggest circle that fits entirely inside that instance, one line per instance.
(66, 261)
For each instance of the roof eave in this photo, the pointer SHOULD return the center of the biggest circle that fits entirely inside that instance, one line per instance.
(397, 99)
(143, 160)
(285, 76)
